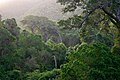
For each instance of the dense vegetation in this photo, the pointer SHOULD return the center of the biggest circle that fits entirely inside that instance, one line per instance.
(83, 47)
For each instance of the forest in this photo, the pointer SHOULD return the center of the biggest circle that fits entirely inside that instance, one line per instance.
(85, 46)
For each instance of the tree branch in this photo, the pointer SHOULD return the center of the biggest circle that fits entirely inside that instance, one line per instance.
(86, 17)
(111, 15)
(113, 21)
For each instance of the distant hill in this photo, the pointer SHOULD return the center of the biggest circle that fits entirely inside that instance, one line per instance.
(50, 9)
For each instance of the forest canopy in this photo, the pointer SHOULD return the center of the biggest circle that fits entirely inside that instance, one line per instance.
(83, 47)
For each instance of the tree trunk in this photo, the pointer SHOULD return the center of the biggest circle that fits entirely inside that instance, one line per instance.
(55, 60)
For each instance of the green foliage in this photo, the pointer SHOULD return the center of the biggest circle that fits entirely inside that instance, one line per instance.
(7, 58)
(31, 40)
(34, 23)
(91, 62)
(15, 75)
(98, 14)
(11, 26)
(30, 56)
(43, 26)
(70, 31)
(57, 50)
(7, 47)
(70, 23)
(47, 75)
(27, 52)
(116, 50)
(70, 37)
(33, 53)
(11, 75)
(30, 51)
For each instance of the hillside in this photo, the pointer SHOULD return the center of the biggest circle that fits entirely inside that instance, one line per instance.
(51, 10)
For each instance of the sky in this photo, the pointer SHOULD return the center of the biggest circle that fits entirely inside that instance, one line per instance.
(15, 8)
(2, 2)
(18, 9)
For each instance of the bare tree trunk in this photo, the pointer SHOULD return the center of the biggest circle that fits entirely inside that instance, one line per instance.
(55, 60)
(0, 18)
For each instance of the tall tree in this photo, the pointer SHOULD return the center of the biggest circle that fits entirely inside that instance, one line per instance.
(91, 62)
(110, 10)
(43, 26)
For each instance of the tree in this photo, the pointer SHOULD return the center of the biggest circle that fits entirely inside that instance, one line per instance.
(43, 26)
(11, 26)
(27, 52)
(69, 31)
(58, 52)
(33, 53)
(91, 62)
(29, 48)
(0, 18)
(8, 68)
(6, 42)
(110, 10)
(91, 32)
(48, 75)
